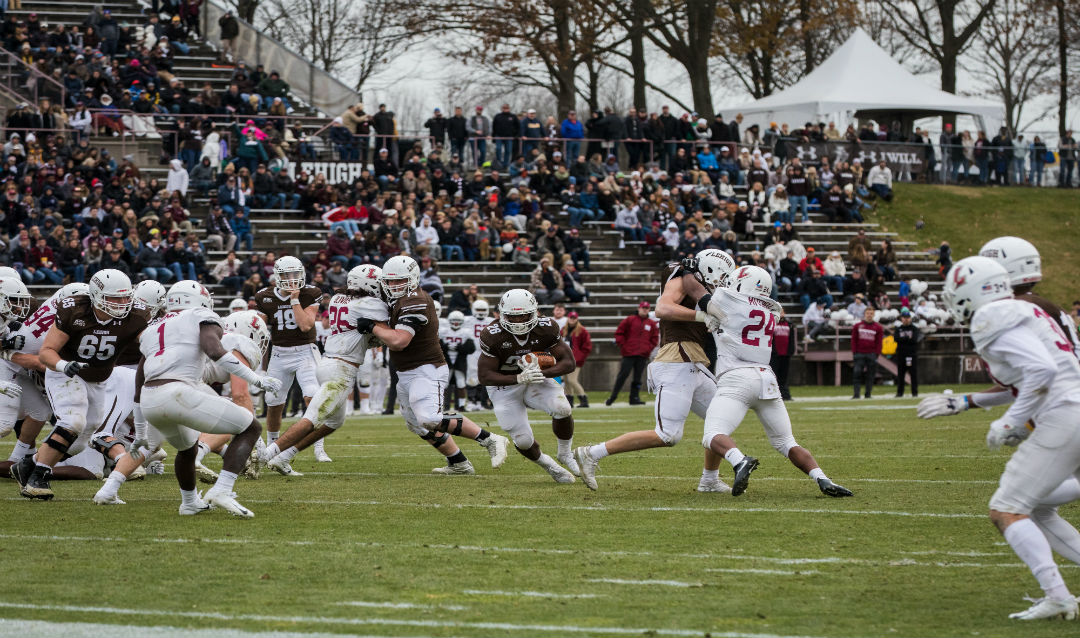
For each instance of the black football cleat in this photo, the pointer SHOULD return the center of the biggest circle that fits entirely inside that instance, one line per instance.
(22, 470)
(37, 485)
(828, 488)
(742, 475)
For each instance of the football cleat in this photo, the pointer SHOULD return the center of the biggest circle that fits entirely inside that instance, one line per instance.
(465, 467)
(587, 465)
(227, 501)
(320, 452)
(253, 467)
(559, 473)
(107, 499)
(37, 484)
(205, 474)
(282, 467)
(496, 446)
(137, 474)
(157, 456)
(567, 461)
(22, 470)
(198, 507)
(742, 475)
(1049, 608)
(828, 488)
(713, 485)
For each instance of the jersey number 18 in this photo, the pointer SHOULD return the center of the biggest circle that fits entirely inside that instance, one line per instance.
(285, 318)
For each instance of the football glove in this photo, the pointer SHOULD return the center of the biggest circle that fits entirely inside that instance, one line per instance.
(73, 368)
(136, 448)
(364, 325)
(268, 384)
(942, 405)
(1003, 433)
(530, 375)
(13, 342)
(689, 264)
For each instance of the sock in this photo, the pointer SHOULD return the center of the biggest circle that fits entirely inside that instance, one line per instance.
(483, 436)
(1063, 537)
(597, 452)
(365, 405)
(203, 450)
(112, 485)
(20, 451)
(320, 446)
(225, 481)
(270, 452)
(565, 446)
(289, 453)
(710, 475)
(734, 456)
(222, 451)
(1032, 548)
(272, 436)
(457, 458)
(188, 497)
(545, 461)
(816, 474)
(42, 465)
(458, 404)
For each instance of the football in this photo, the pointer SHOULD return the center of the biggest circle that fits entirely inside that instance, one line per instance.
(543, 359)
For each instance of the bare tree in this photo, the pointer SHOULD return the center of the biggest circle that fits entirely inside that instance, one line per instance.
(1015, 49)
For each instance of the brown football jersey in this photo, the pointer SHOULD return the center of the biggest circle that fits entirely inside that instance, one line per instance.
(95, 342)
(280, 318)
(508, 348)
(417, 312)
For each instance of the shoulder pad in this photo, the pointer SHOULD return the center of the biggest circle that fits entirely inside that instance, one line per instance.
(205, 315)
(232, 341)
(373, 308)
(995, 318)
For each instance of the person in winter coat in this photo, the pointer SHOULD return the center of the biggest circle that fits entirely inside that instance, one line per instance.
(866, 337)
(178, 178)
(636, 336)
(577, 337)
(907, 337)
(230, 29)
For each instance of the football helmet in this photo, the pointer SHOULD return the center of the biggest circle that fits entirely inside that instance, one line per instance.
(715, 267)
(456, 319)
(480, 309)
(152, 294)
(972, 283)
(188, 294)
(438, 307)
(8, 271)
(237, 305)
(1019, 257)
(70, 290)
(400, 276)
(517, 303)
(290, 274)
(14, 299)
(111, 292)
(249, 324)
(752, 281)
(365, 278)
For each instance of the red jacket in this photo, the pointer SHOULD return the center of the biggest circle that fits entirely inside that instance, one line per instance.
(866, 337)
(580, 343)
(637, 336)
(815, 262)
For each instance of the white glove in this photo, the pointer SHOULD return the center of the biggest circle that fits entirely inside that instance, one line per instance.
(530, 375)
(137, 447)
(1003, 433)
(268, 384)
(942, 405)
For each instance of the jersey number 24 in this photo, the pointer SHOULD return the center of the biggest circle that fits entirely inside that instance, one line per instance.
(766, 322)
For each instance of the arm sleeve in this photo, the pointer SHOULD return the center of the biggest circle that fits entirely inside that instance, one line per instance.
(1021, 348)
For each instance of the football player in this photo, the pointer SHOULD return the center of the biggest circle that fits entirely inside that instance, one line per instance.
(412, 336)
(290, 309)
(87, 465)
(1026, 351)
(679, 375)
(170, 394)
(516, 382)
(352, 314)
(747, 316)
(457, 344)
(80, 351)
(14, 307)
(477, 392)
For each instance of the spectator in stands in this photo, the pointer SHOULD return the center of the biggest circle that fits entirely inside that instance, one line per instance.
(577, 249)
(231, 197)
(811, 259)
(218, 232)
(457, 129)
(547, 283)
(855, 284)
(812, 288)
(780, 204)
(230, 29)
(885, 260)
(202, 176)
(272, 87)
(113, 259)
(343, 141)
(479, 126)
(835, 270)
(789, 274)
(430, 282)
(228, 273)
(636, 337)
(450, 241)
(1037, 156)
(798, 190)
(549, 242)
(858, 306)
(427, 236)
(866, 337)
(151, 260)
(728, 165)
(178, 178)
(627, 220)
(241, 227)
(572, 285)
(180, 261)
(783, 350)
(880, 181)
(815, 320)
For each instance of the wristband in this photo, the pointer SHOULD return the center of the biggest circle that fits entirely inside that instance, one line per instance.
(703, 303)
(60, 366)
(6, 355)
(699, 316)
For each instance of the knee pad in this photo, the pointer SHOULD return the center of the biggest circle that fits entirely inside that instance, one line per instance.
(435, 439)
(472, 382)
(522, 437)
(783, 444)
(101, 443)
(450, 423)
(560, 408)
(671, 438)
(68, 437)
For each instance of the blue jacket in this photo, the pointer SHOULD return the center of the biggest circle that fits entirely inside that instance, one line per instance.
(589, 200)
(573, 130)
(707, 161)
(241, 226)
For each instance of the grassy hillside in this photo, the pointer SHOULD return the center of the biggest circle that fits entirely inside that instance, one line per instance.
(967, 217)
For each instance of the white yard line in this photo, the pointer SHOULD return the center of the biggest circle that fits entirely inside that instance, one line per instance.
(22, 628)
(661, 583)
(749, 570)
(392, 605)
(524, 594)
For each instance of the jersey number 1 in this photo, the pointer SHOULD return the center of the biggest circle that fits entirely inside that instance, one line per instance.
(765, 321)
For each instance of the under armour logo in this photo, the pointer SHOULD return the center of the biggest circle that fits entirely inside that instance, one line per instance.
(806, 152)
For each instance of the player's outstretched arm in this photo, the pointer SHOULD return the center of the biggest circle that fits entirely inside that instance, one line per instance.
(238, 388)
(49, 355)
(210, 342)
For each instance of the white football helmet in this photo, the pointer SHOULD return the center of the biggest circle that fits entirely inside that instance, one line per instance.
(290, 274)
(456, 319)
(365, 278)
(188, 294)
(14, 299)
(972, 283)
(517, 303)
(438, 307)
(1019, 257)
(248, 323)
(152, 294)
(71, 290)
(400, 276)
(237, 305)
(715, 267)
(480, 309)
(111, 292)
(752, 281)
(8, 271)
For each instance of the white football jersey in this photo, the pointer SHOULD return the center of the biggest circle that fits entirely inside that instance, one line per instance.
(345, 341)
(454, 339)
(233, 342)
(748, 325)
(171, 345)
(476, 326)
(995, 319)
(34, 330)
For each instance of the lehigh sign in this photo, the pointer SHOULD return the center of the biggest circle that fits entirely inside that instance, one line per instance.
(336, 172)
(909, 158)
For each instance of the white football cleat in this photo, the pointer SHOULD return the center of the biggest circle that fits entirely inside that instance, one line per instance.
(205, 474)
(588, 466)
(137, 474)
(198, 507)
(253, 467)
(156, 456)
(1049, 608)
(107, 499)
(320, 452)
(465, 467)
(282, 467)
(496, 446)
(569, 463)
(559, 473)
(713, 485)
(227, 501)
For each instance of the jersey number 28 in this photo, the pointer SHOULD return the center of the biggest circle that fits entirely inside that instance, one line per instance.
(766, 321)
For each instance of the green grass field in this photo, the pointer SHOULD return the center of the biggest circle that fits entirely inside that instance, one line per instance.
(373, 544)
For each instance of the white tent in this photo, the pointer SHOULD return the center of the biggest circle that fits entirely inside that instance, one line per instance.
(860, 77)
